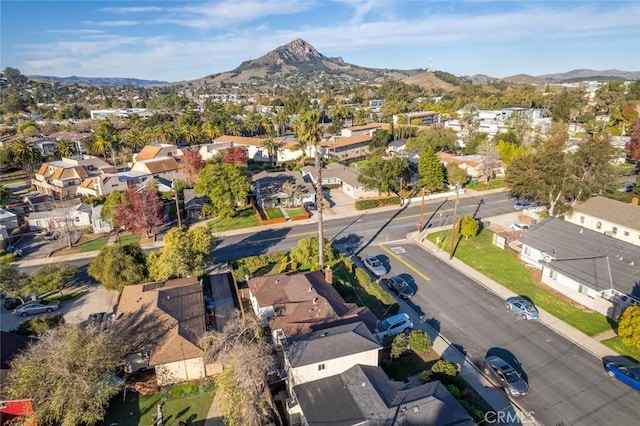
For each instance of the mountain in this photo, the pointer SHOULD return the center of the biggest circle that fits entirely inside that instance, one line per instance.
(574, 75)
(524, 79)
(99, 81)
(299, 63)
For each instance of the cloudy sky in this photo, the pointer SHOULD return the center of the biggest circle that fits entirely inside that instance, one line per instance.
(184, 40)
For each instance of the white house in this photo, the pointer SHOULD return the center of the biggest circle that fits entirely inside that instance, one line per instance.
(99, 226)
(346, 177)
(598, 271)
(610, 217)
(76, 216)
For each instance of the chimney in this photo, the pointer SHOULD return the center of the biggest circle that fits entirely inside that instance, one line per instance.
(634, 201)
(328, 275)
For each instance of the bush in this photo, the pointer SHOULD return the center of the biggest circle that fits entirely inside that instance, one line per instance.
(184, 389)
(425, 376)
(399, 346)
(454, 390)
(35, 326)
(419, 341)
(378, 202)
(445, 371)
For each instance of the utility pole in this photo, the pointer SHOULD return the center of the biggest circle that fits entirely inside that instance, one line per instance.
(178, 210)
(453, 229)
(421, 212)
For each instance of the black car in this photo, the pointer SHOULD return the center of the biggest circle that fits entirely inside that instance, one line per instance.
(49, 236)
(400, 286)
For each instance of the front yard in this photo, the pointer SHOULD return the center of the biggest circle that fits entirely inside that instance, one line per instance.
(505, 269)
(244, 219)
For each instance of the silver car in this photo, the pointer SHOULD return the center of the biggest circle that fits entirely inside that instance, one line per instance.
(502, 374)
(375, 266)
(37, 307)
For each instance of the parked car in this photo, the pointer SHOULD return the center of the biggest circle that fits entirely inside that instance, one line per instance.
(10, 303)
(517, 226)
(310, 205)
(375, 266)
(50, 236)
(522, 307)
(396, 324)
(525, 204)
(502, 374)
(400, 286)
(627, 374)
(37, 307)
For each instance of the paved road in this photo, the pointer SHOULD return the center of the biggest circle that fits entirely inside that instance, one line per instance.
(568, 385)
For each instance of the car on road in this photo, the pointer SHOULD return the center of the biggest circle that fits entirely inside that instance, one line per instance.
(518, 226)
(396, 324)
(37, 307)
(375, 266)
(50, 236)
(400, 286)
(502, 374)
(627, 374)
(10, 303)
(524, 204)
(522, 307)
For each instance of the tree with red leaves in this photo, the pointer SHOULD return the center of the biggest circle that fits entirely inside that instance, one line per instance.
(236, 155)
(190, 165)
(140, 210)
(633, 146)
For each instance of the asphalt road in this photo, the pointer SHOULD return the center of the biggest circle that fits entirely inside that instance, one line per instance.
(568, 386)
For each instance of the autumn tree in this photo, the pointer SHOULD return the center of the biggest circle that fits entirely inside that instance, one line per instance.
(226, 185)
(456, 175)
(190, 165)
(52, 277)
(633, 146)
(629, 326)
(140, 210)
(117, 266)
(430, 171)
(399, 345)
(185, 253)
(235, 155)
(241, 347)
(306, 253)
(468, 226)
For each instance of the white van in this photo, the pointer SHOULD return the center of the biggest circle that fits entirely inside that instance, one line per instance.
(396, 324)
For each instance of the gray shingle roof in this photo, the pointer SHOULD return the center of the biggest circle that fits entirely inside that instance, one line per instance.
(330, 343)
(582, 255)
(365, 395)
(624, 214)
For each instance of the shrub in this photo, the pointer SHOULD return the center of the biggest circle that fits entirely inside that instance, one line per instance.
(419, 341)
(444, 370)
(399, 346)
(454, 390)
(425, 376)
(35, 326)
(378, 202)
(184, 389)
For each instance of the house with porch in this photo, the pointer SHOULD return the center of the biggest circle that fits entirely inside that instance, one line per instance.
(598, 271)
(610, 217)
(346, 177)
(282, 188)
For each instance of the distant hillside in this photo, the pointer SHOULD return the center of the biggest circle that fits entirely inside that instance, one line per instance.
(429, 81)
(585, 73)
(524, 79)
(298, 63)
(99, 81)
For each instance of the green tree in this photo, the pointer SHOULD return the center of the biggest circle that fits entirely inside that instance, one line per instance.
(520, 124)
(306, 253)
(629, 326)
(109, 207)
(117, 266)
(383, 175)
(226, 185)
(444, 369)
(456, 175)
(64, 149)
(468, 226)
(5, 194)
(437, 138)
(13, 283)
(25, 154)
(430, 171)
(380, 139)
(419, 341)
(52, 277)
(185, 253)
(399, 345)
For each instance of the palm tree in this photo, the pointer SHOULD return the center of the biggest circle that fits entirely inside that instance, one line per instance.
(25, 154)
(280, 120)
(272, 149)
(308, 130)
(64, 149)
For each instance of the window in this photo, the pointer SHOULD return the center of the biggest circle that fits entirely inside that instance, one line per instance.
(527, 251)
(626, 233)
(614, 230)
(77, 218)
(322, 367)
(598, 225)
(583, 290)
(581, 219)
(553, 274)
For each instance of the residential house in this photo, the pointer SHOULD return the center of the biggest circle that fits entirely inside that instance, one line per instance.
(598, 271)
(194, 205)
(428, 118)
(76, 216)
(103, 114)
(256, 150)
(364, 395)
(175, 311)
(365, 129)
(99, 226)
(298, 303)
(76, 139)
(160, 167)
(348, 148)
(157, 150)
(210, 150)
(346, 177)
(61, 179)
(12, 345)
(282, 188)
(37, 202)
(610, 217)
(105, 184)
(476, 166)
(8, 222)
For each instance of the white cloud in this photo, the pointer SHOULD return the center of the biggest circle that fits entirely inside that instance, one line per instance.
(121, 23)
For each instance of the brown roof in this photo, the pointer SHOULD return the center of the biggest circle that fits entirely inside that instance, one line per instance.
(242, 140)
(87, 183)
(177, 306)
(162, 165)
(148, 152)
(304, 302)
(43, 169)
(625, 214)
(369, 126)
(351, 140)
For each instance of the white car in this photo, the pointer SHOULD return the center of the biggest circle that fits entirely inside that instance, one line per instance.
(396, 324)
(375, 266)
(517, 226)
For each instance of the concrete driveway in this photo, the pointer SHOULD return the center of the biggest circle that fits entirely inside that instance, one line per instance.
(95, 299)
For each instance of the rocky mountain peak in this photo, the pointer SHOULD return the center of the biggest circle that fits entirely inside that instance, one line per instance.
(298, 50)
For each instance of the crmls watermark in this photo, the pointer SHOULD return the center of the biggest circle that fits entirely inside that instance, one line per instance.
(509, 417)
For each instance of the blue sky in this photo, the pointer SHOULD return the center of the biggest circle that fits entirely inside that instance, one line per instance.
(185, 40)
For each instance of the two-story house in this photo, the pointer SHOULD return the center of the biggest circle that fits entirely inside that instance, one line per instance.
(61, 179)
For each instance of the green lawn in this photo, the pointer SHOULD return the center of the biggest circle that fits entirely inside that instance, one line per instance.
(483, 186)
(274, 213)
(129, 239)
(140, 410)
(616, 344)
(94, 245)
(294, 212)
(244, 219)
(505, 269)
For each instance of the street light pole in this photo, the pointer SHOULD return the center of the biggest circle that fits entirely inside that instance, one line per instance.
(453, 229)
(421, 212)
